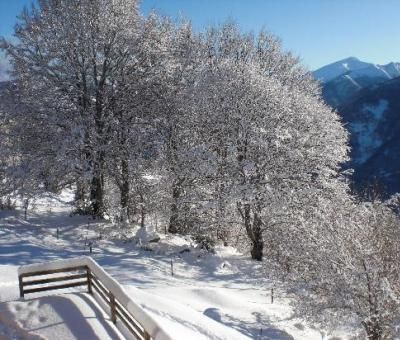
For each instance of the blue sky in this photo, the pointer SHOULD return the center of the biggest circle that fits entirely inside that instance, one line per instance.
(319, 31)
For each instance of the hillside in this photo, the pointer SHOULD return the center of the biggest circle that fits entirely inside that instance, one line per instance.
(373, 119)
(210, 296)
(366, 97)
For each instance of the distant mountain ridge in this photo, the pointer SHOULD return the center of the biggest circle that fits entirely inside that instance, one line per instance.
(367, 96)
(341, 80)
(356, 68)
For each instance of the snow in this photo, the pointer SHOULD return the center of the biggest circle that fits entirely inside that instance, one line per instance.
(341, 67)
(352, 81)
(353, 69)
(372, 71)
(210, 296)
(66, 316)
(384, 71)
(393, 69)
(180, 319)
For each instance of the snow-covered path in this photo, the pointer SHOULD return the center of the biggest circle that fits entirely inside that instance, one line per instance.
(221, 296)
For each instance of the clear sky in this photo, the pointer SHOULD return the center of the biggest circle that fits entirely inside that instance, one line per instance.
(319, 31)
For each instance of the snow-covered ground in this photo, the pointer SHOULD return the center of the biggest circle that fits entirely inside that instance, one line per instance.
(66, 316)
(209, 296)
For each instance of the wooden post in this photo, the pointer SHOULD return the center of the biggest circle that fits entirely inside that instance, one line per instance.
(112, 308)
(21, 286)
(172, 268)
(89, 280)
(146, 335)
(272, 295)
(26, 205)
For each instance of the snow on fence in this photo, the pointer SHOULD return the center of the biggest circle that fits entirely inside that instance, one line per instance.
(84, 271)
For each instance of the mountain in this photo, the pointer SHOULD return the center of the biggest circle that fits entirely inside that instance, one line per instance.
(367, 97)
(373, 120)
(343, 79)
(338, 68)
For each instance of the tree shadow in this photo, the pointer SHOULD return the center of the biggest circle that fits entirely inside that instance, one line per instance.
(261, 328)
(74, 319)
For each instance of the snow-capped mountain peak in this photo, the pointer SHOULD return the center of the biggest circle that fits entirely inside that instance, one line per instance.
(356, 68)
(393, 69)
(341, 80)
(338, 68)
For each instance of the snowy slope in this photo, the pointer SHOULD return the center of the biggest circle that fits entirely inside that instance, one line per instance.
(393, 69)
(210, 296)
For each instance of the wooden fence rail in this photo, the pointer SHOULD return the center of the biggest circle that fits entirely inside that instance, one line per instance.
(85, 275)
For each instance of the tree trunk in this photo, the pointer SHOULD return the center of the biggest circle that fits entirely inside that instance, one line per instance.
(257, 242)
(254, 232)
(142, 216)
(97, 196)
(373, 328)
(372, 325)
(125, 189)
(142, 210)
(97, 188)
(80, 196)
(97, 185)
(174, 222)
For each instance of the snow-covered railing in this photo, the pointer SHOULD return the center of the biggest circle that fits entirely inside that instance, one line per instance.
(84, 271)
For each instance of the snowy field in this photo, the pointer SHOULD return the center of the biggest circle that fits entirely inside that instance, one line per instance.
(209, 296)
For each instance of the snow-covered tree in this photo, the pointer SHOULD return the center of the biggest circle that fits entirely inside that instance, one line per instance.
(264, 121)
(346, 263)
(66, 59)
(174, 121)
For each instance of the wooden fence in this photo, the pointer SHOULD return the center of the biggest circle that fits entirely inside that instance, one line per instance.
(86, 272)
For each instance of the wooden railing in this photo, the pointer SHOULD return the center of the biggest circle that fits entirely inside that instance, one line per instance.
(34, 282)
(85, 271)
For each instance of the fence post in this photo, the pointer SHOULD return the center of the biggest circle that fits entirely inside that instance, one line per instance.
(112, 307)
(89, 280)
(21, 286)
(146, 335)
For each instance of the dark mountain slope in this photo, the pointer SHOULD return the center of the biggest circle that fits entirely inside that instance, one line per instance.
(373, 119)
